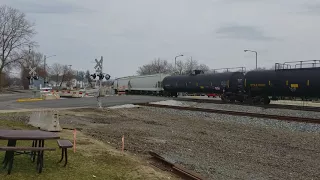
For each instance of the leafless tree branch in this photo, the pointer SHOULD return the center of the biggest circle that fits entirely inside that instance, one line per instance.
(156, 66)
(15, 36)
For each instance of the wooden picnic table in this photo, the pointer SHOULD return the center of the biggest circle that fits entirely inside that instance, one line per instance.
(27, 135)
(37, 136)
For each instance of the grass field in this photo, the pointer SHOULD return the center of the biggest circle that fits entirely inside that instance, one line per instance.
(92, 160)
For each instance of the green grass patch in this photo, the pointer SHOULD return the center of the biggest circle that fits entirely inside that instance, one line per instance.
(103, 166)
(6, 124)
(92, 160)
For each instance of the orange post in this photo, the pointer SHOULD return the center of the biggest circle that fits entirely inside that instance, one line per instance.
(74, 140)
(122, 143)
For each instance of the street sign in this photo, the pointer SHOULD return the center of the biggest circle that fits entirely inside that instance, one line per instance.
(32, 71)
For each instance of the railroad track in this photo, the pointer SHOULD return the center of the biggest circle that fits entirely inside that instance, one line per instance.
(236, 113)
(276, 106)
(176, 168)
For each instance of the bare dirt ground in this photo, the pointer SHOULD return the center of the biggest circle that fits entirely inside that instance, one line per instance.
(205, 143)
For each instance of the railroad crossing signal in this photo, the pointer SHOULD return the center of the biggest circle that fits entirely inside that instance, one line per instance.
(107, 76)
(93, 75)
(32, 71)
(98, 66)
(101, 75)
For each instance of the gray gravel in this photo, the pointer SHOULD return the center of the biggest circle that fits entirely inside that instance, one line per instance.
(217, 146)
(205, 164)
(252, 121)
(252, 109)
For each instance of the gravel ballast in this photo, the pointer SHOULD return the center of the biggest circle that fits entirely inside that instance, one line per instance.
(217, 146)
(251, 109)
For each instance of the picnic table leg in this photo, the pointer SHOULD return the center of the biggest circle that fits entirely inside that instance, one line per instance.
(9, 154)
(42, 153)
(66, 153)
(62, 154)
(10, 162)
(40, 157)
(33, 153)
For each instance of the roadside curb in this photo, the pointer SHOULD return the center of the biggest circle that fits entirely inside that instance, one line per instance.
(29, 99)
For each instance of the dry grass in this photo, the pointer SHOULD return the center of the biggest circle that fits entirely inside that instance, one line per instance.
(92, 160)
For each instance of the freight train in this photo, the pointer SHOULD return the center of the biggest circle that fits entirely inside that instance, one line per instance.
(146, 85)
(289, 79)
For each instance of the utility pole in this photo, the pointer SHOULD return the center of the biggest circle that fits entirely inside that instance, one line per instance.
(44, 68)
(45, 72)
(29, 58)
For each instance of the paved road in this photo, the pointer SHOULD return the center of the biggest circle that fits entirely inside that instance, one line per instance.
(7, 103)
(14, 96)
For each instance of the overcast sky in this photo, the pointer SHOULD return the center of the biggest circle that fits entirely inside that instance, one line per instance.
(130, 33)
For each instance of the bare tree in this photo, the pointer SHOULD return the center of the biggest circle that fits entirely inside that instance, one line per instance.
(204, 68)
(14, 81)
(15, 36)
(88, 78)
(180, 67)
(80, 75)
(67, 75)
(32, 59)
(190, 65)
(162, 66)
(56, 71)
(4, 79)
(156, 66)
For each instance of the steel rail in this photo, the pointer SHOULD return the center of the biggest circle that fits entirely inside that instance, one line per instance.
(178, 169)
(276, 106)
(236, 113)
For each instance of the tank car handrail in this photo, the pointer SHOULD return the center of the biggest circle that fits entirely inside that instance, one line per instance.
(313, 65)
(243, 69)
(279, 66)
(301, 61)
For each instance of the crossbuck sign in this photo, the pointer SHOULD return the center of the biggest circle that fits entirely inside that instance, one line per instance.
(32, 71)
(98, 66)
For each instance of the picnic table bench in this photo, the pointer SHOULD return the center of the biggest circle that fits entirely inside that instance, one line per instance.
(64, 145)
(38, 137)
